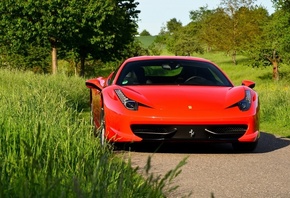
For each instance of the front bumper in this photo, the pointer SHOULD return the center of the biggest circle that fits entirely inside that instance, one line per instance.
(231, 126)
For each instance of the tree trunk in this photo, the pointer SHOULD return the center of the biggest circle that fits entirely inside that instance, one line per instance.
(76, 68)
(275, 70)
(54, 60)
(234, 57)
(274, 59)
(82, 72)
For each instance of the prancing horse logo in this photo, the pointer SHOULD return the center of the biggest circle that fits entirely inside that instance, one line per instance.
(192, 133)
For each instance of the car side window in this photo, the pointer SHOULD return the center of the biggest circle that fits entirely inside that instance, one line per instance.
(111, 78)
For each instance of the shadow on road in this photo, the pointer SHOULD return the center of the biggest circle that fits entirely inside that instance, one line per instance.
(267, 143)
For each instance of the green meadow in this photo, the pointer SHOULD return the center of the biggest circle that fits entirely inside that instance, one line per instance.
(47, 147)
(48, 150)
(146, 41)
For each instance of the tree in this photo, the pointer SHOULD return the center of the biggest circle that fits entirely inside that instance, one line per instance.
(186, 41)
(178, 39)
(100, 28)
(107, 35)
(37, 23)
(273, 46)
(232, 27)
(159, 42)
(166, 37)
(145, 33)
(198, 17)
(172, 26)
(282, 4)
(232, 6)
(155, 48)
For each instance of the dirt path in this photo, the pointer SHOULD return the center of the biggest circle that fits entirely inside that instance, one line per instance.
(216, 170)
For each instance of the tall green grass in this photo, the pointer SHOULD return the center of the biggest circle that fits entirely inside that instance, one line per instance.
(47, 148)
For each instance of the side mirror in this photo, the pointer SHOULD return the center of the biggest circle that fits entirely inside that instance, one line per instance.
(249, 83)
(94, 84)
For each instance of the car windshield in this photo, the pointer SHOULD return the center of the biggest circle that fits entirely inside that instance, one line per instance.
(171, 72)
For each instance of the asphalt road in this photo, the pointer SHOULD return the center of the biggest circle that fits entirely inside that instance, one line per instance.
(215, 170)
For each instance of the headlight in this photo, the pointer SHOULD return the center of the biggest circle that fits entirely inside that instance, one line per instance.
(245, 104)
(128, 103)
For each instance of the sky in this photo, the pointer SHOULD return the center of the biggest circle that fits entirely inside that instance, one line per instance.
(155, 13)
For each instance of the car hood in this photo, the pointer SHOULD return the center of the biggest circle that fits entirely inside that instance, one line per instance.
(185, 97)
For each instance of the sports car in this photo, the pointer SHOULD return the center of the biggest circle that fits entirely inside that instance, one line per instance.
(174, 99)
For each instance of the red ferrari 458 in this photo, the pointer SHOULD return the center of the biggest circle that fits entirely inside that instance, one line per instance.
(174, 99)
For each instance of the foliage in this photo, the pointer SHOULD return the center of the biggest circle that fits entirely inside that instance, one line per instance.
(155, 48)
(144, 33)
(230, 28)
(231, 6)
(177, 39)
(34, 58)
(185, 41)
(145, 41)
(171, 33)
(233, 27)
(272, 46)
(101, 29)
(47, 148)
(110, 36)
(275, 109)
(149, 46)
(135, 49)
(173, 25)
(198, 18)
(282, 4)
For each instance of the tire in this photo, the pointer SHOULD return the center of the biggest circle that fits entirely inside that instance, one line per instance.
(92, 121)
(245, 147)
(98, 132)
(102, 128)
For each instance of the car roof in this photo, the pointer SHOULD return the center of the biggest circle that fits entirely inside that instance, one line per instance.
(141, 58)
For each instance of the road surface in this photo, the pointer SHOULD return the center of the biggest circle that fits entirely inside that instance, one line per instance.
(215, 170)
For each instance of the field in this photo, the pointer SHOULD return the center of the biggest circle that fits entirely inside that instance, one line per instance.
(47, 147)
(146, 40)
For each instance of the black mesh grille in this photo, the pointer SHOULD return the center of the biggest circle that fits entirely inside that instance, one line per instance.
(192, 132)
(154, 131)
(228, 129)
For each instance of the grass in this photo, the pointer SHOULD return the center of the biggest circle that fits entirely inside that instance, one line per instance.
(47, 148)
(146, 40)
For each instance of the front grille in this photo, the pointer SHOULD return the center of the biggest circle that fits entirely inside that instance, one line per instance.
(154, 131)
(227, 130)
(192, 132)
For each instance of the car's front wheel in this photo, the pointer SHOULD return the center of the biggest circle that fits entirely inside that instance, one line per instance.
(93, 120)
(100, 131)
(245, 146)
(102, 128)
